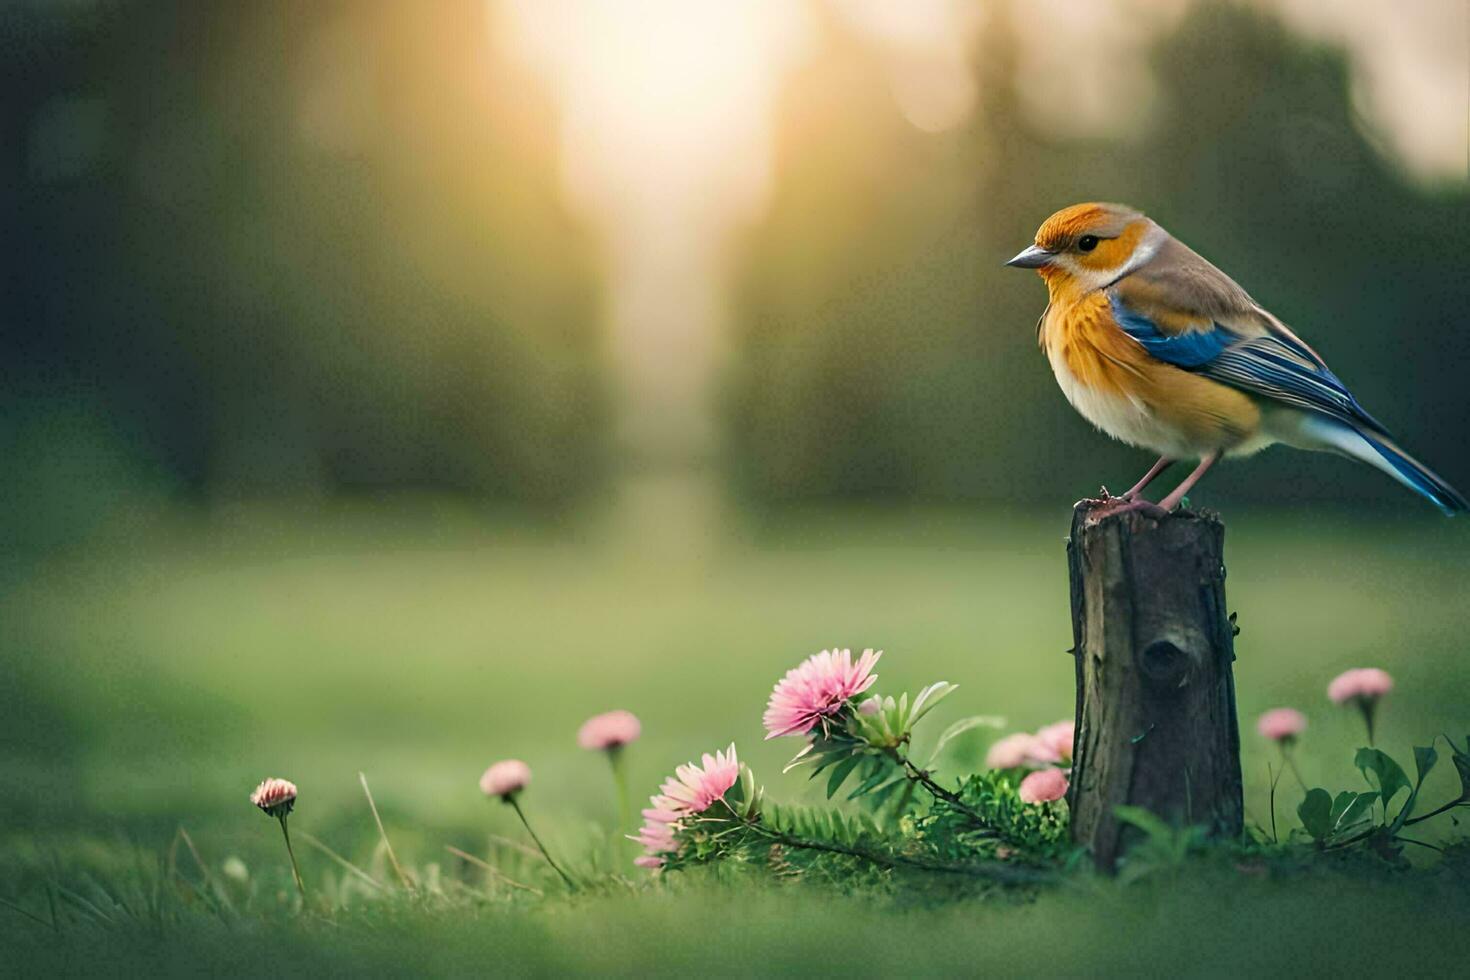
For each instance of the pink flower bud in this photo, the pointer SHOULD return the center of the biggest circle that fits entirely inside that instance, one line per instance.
(1282, 724)
(275, 796)
(1056, 741)
(505, 779)
(1367, 683)
(609, 731)
(1011, 752)
(1043, 786)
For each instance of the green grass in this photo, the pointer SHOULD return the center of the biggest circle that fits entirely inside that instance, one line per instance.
(150, 680)
(1256, 928)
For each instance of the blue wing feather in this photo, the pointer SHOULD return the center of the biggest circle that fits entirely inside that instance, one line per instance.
(1186, 350)
(1274, 366)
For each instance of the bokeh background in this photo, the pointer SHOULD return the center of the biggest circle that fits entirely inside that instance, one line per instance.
(390, 386)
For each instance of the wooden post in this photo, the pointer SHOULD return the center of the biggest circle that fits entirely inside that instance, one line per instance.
(1156, 725)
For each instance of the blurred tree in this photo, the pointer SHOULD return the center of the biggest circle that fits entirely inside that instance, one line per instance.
(266, 247)
(883, 350)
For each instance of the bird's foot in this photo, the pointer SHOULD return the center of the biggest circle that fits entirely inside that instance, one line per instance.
(1103, 499)
(1122, 505)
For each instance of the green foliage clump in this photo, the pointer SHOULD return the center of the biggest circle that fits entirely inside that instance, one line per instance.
(1029, 832)
(1367, 819)
(906, 821)
(989, 825)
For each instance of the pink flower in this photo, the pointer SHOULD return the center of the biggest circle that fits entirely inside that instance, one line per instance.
(505, 779)
(1282, 724)
(275, 796)
(657, 837)
(1043, 786)
(818, 688)
(1011, 752)
(1054, 742)
(693, 788)
(611, 730)
(1048, 747)
(691, 791)
(1364, 683)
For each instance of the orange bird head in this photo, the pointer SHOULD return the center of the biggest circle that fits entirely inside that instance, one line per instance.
(1089, 244)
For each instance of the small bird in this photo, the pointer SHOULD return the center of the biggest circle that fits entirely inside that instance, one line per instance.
(1159, 349)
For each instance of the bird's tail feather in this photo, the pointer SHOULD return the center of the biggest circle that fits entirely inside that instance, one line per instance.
(1414, 474)
(1379, 451)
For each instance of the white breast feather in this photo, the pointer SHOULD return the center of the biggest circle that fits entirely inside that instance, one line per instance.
(1125, 419)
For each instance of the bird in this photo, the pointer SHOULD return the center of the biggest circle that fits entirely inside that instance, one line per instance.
(1159, 349)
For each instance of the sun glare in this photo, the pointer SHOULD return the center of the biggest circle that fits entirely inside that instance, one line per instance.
(661, 99)
(666, 110)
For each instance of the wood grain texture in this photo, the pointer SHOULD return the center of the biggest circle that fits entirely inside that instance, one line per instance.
(1154, 649)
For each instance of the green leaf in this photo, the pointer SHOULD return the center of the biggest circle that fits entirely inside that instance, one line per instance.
(1315, 813)
(884, 717)
(840, 773)
(1462, 766)
(879, 774)
(749, 793)
(801, 758)
(1424, 759)
(1341, 803)
(1146, 821)
(959, 728)
(829, 754)
(1356, 809)
(1388, 774)
(879, 796)
(929, 697)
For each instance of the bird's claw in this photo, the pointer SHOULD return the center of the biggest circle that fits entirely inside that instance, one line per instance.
(1122, 505)
(1103, 499)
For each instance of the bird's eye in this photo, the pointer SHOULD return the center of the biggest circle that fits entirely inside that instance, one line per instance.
(1087, 243)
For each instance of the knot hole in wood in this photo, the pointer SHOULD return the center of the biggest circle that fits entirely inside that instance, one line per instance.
(1165, 664)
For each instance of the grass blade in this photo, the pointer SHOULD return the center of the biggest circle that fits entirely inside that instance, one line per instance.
(494, 871)
(403, 877)
(314, 842)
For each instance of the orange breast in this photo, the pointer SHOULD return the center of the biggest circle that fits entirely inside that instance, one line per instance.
(1084, 337)
(1153, 404)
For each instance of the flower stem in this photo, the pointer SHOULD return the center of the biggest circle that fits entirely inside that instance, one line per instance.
(510, 798)
(885, 860)
(927, 781)
(295, 871)
(1366, 705)
(620, 780)
(1434, 813)
(1291, 761)
(1275, 778)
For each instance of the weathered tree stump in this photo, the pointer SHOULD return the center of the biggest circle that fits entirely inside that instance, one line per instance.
(1154, 645)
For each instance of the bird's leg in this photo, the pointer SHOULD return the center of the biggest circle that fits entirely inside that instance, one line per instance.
(1153, 474)
(1177, 494)
(1132, 493)
(1122, 505)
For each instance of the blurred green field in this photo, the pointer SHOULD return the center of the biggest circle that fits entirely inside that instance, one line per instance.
(150, 680)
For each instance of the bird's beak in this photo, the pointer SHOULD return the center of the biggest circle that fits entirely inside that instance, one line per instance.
(1032, 258)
